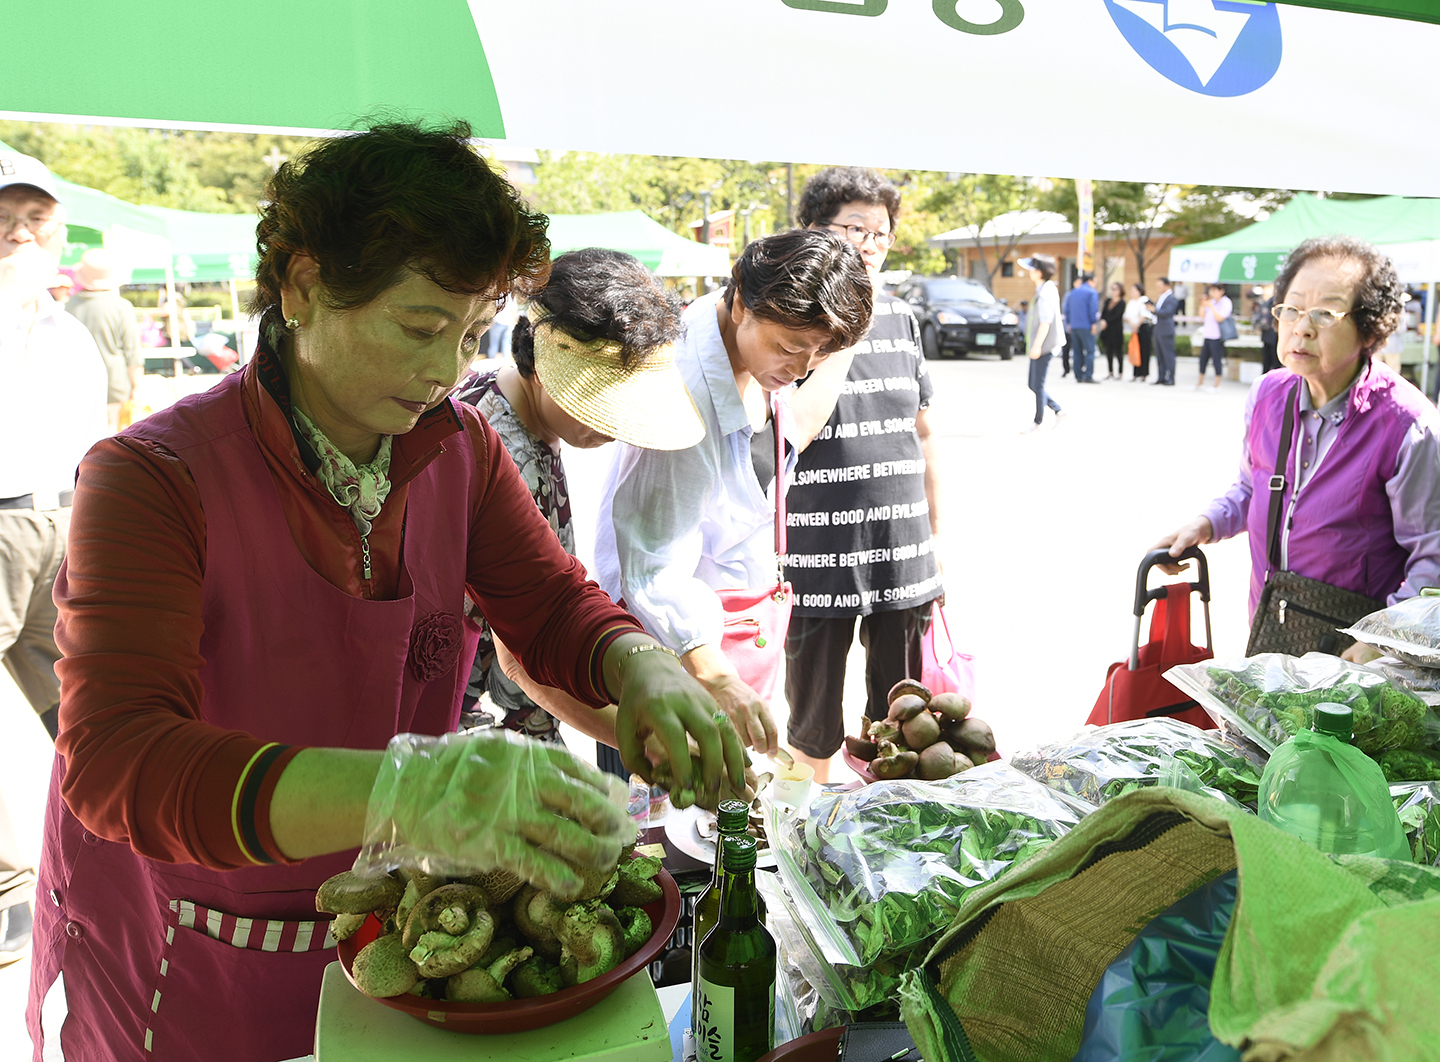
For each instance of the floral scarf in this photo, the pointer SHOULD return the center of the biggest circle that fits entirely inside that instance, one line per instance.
(361, 490)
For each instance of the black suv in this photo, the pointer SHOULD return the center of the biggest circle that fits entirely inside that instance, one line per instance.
(960, 316)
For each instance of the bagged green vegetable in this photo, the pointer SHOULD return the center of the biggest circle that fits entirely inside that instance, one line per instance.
(1271, 697)
(1101, 763)
(1418, 805)
(1409, 629)
(1422, 682)
(873, 875)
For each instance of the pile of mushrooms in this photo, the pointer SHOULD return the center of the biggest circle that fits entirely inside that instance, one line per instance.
(490, 937)
(923, 736)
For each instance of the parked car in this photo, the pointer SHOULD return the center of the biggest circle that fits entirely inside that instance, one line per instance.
(960, 316)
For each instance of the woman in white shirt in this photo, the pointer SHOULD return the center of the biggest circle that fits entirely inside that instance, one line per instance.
(675, 527)
(1140, 321)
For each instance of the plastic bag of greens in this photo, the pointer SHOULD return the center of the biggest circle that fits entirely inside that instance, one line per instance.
(797, 968)
(1418, 805)
(1409, 765)
(1101, 763)
(1409, 629)
(1423, 682)
(876, 873)
(1271, 697)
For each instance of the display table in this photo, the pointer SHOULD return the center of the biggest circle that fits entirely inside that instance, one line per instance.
(628, 1026)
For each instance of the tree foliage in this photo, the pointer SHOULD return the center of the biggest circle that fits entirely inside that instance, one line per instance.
(970, 201)
(215, 172)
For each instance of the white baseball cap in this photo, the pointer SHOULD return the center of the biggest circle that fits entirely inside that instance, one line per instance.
(16, 168)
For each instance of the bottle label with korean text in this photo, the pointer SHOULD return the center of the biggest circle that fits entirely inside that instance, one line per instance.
(717, 1031)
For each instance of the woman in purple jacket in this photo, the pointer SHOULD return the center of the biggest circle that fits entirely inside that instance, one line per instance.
(1361, 506)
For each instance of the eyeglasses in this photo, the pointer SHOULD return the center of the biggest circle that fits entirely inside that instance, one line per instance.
(859, 235)
(36, 223)
(1319, 317)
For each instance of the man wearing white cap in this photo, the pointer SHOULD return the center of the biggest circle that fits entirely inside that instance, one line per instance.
(52, 409)
(111, 320)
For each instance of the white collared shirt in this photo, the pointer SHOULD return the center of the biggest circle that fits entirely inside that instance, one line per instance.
(675, 526)
(52, 402)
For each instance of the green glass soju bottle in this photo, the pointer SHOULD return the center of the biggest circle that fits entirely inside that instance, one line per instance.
(732, 819)
(734, 1016)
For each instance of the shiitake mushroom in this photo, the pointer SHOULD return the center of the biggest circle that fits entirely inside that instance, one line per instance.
(976, 737)
(951, 706)
(922, 731)
(862, 748)
(907, 687)
(906, 707)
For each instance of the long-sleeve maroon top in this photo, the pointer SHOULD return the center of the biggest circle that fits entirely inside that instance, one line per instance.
(141, 766)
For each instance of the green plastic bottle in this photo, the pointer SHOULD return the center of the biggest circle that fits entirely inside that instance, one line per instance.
(1321, 789)
(735, 992)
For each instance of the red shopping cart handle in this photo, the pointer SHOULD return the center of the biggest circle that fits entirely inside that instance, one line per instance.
(1157, 557)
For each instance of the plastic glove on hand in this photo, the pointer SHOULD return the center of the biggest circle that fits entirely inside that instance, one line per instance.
(660, 703)
(469, 803)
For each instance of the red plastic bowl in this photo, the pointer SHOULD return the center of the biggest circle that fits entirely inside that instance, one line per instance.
(521, 1015)
(860, 767)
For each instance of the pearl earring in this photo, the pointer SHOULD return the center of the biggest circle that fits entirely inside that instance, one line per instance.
(292, 323)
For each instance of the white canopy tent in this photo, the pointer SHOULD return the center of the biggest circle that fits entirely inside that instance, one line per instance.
(1221, 91)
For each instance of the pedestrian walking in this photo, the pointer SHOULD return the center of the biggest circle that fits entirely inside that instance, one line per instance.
(1140, 319)
(1217, 309)
(1082, 318)
(1264, 320)
(1112, 331)
(111, 321)
(1043, 337)
(1166, 306)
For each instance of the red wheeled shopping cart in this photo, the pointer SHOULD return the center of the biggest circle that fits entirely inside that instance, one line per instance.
(1134, 688)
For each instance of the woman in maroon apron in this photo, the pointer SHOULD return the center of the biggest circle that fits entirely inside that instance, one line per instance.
(266, 583)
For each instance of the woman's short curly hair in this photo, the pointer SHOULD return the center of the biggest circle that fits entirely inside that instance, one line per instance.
(832, 188)
(805, 279)
(1380, 297)
(370, 205)
(596, 293)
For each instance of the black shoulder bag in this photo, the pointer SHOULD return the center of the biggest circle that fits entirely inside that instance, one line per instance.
(1299, 615)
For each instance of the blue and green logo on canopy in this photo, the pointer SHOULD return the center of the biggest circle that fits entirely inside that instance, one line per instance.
(1214, 47)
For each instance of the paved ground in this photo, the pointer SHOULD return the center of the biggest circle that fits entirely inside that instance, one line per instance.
(1044, 534)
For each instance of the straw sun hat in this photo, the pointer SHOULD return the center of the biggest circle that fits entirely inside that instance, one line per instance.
(645, 405)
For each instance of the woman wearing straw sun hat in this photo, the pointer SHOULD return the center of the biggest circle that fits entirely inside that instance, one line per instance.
(593, 362)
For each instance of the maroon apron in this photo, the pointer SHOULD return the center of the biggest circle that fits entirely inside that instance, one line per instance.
(175, 961)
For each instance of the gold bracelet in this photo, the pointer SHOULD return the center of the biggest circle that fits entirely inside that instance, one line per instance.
(645, 648)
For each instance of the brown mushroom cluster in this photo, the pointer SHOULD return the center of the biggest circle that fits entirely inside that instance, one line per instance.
(490, 937)
(929, 736)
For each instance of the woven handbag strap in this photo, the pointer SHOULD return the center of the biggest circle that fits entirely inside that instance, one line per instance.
(775, 408)
(1277, 479)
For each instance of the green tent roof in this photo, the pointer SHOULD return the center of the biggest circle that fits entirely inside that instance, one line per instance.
(1419, 10)
(207, 246)
(634, 232)
(1408, 229)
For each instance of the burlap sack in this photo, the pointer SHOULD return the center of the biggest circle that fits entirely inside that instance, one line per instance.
(1325, 959)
